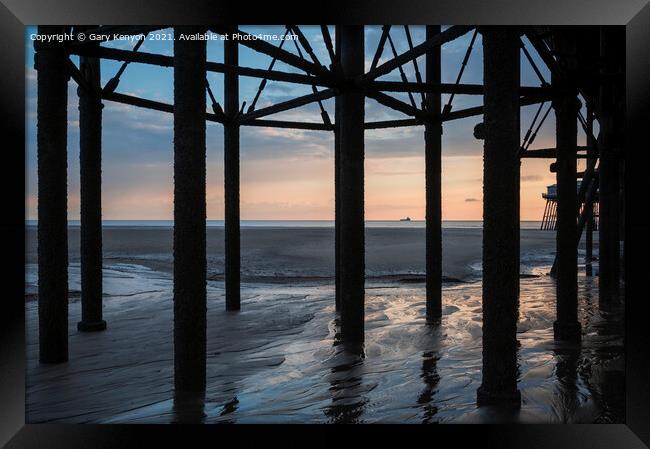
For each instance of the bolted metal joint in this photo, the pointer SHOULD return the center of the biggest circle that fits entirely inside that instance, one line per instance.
(479, 131)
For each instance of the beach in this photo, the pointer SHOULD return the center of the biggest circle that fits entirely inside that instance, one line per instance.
(280, 360)
(290, 254)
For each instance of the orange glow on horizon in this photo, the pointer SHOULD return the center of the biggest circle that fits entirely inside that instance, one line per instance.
(303, 189)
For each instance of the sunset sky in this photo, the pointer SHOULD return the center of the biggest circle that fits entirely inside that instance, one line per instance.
(287, 174)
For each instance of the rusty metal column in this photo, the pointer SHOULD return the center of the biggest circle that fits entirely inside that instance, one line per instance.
(351, 176)
(231, 175)
(566, 106)
(189, 212)
(337, 180)
(500, 217)
(433, 173)
(589, 225)
(52, 198)
(609, 220)
(90, 175)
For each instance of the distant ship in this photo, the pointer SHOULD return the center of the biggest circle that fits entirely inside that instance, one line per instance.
(405, 219)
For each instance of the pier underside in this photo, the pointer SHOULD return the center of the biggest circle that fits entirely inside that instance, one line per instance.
(217, 339)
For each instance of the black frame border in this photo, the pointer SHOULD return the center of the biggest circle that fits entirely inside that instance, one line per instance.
(634, 14)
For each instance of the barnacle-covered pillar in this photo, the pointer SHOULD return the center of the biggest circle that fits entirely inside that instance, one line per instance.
(90, 176)
(351, 177)
(189, 212)
(500, 217)
(52, 81)
(433, 181)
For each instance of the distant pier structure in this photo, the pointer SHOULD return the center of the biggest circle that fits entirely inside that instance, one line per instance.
(586, 86)
(549, 217)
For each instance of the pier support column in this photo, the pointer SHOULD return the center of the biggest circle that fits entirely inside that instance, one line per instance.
(90, 164)
(589, 225)
(231, 177)
(337, 178)
(500, 217)
(52, 119)
(189, 212)
(611, 114)
(566, 106)
(351, 177)
(433, 173)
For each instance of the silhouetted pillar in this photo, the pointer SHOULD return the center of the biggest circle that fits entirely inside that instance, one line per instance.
(351, 213)
(589, 225)
(500, 217)
(90, 164)
(337, 181)
(610, 113)
(566, 106)
(433, 173)
(189, 212)
(231, 176)
(52, 198)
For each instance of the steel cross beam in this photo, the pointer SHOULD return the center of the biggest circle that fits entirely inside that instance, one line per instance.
(449, 34)
(532, 64)
(168, 61)
(422, 116)
(380, 47)
(549, 153)
(398, 105)
(543, 52)
(150, 104)
(478, 110)
(393, 123)
(286, 105)
(327, 38)
(447, 88)
(290, 125)
(251, 119)
(530, 95)
(282, 55)
(552, 64)
(305, 44)
(211, 117)
(262, 85)
(418, 76)
(402, 74)
(77, 76)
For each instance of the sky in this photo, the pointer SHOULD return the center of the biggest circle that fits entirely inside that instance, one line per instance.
(287, 174)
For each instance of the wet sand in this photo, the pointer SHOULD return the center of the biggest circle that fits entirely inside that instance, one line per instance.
(279, 359)
(291, 254)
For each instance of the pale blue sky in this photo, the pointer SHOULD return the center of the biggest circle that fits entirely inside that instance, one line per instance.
(285, 174)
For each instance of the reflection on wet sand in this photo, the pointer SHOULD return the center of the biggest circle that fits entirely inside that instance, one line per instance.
(280, 360)
(345, 376)
(188, 408)
(590, 382)
(431, 378)
(566, 390)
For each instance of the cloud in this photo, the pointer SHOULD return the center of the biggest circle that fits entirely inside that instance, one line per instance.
(398, 173)
(294, 165)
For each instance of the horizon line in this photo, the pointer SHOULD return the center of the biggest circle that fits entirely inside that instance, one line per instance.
(273, 219)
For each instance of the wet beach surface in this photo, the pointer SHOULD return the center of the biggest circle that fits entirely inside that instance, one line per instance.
(298, 254)
(279, 360)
